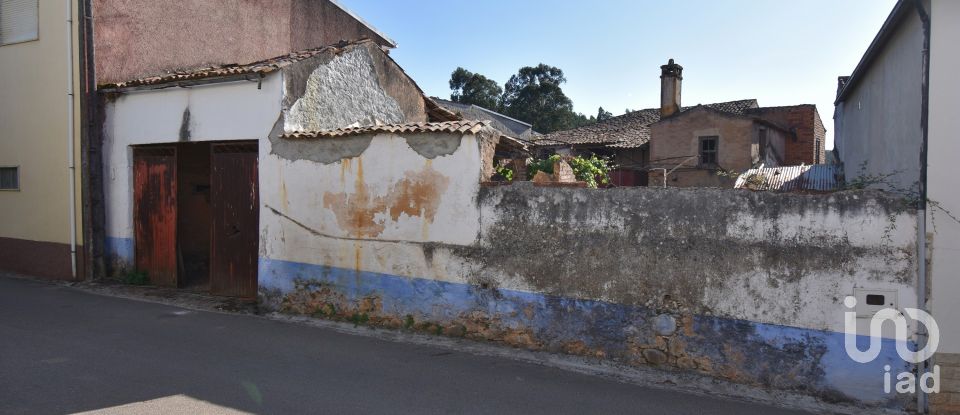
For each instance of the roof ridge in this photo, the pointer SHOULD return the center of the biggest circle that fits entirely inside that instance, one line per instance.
(463, 126)
(216, 71)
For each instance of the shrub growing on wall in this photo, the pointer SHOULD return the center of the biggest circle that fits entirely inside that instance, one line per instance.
(593, 170)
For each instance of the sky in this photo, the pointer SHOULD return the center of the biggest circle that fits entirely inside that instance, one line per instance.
(779, 52)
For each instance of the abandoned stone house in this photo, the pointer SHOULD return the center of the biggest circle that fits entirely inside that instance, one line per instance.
(323, 182)
(184, 154)
(691, 144)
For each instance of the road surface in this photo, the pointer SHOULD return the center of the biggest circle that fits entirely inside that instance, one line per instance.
(64, 350)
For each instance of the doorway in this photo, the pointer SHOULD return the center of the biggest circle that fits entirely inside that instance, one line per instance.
(196, 216)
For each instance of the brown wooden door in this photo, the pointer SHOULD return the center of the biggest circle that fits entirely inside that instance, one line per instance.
(235, 218)
(155, 213)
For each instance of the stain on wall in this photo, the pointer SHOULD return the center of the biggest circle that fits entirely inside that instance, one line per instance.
(362, 214)
(742, 286)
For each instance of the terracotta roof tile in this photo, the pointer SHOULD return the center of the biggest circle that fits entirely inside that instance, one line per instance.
(628, 130)
(462, 127)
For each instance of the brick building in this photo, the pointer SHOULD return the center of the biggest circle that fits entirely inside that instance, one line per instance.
(738, 134)
(805, 122)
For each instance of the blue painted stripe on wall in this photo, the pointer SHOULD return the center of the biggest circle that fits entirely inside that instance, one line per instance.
(119, 249)
(769, 354)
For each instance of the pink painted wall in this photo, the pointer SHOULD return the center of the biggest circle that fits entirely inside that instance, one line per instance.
(139, 38)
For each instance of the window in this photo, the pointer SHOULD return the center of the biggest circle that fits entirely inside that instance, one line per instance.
(19, 21)
(708, 151)
(9, 178)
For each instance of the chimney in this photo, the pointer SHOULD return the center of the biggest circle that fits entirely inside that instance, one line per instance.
(670, 80)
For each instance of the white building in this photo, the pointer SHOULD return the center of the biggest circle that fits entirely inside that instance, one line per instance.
(892, 127)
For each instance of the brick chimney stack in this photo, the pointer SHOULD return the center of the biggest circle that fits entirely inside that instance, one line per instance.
(671, 79)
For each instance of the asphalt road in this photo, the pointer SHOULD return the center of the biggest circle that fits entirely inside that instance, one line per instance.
(64, 350)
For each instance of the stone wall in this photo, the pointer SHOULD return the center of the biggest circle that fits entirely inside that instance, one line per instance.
(742, 286)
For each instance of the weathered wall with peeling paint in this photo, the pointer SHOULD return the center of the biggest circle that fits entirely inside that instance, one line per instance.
(397, 231)
(360, 86)
(217, 112)
(739, 285)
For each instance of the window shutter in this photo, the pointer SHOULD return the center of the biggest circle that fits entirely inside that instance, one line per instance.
(19, 21)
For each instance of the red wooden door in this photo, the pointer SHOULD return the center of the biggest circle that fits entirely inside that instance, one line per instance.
(155, 213)
(235, 220)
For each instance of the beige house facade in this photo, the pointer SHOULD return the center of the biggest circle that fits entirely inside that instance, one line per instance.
(40, 139)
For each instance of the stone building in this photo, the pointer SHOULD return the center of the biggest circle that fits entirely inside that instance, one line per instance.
(693, 143)
(194, 166)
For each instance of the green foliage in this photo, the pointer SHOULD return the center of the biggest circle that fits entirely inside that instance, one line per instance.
(408, 321)
(359, 318)
(505, 172)
(603, 115)
(593, 170)
(475, 89)
(136, 278)
(532, 95)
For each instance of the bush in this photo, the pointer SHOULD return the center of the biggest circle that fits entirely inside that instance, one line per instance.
(593, 170)
(136, 278)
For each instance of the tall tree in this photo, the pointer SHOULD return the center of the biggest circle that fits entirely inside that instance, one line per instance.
(534, 95)
(473, 88)
(603, 115)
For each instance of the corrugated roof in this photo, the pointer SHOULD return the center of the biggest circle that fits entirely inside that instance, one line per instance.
(629, 130)
(461, 127)
(260, 68)
(810, 178)
(506, 125)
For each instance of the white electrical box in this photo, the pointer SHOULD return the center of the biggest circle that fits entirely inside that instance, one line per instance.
(869, 302)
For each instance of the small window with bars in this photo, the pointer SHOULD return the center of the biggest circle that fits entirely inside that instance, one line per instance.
(9, 178)
(19, 21)
(708, 151)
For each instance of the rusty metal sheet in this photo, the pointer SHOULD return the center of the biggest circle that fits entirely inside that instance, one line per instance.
(809, 178)
(155, 213)
(235, 220)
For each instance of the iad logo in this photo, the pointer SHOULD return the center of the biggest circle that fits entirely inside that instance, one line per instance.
(906, 381)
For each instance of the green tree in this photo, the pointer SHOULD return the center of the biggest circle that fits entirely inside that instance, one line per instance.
(603, 115)
(475, 89)
(534, 95)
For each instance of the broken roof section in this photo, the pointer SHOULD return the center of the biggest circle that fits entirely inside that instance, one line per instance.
(804, 178)
(629, 130)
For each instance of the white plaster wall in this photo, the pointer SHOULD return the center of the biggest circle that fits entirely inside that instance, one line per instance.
(944, 147)
(298, 224)
(813, 301)
(225, 111)
(880, 120)
(816, 300)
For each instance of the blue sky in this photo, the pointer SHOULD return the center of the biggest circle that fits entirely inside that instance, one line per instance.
(779, 52)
